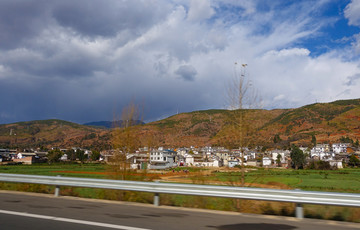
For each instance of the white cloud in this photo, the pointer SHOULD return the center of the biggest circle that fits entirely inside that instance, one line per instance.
(176, 54)
(200, 10)
(304, 79)
(279, 97)
(287, 53)
(356, 44)
(352, 12)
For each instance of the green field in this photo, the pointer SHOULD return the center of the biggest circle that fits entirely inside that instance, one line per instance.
(344, 180)
(84, 170)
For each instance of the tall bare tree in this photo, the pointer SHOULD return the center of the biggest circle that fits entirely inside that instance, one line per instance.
(241, 96)
(240, 92)
(124, 139)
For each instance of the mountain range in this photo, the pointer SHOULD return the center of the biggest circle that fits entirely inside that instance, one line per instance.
(326, 122)
(110, 124)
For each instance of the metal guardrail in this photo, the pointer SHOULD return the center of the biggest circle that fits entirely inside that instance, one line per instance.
(294, 196)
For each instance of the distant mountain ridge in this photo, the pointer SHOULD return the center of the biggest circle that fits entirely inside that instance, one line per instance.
(48, 133)
(110, 124)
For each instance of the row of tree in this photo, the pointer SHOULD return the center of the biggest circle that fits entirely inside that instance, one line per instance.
(72, 155)
(298, 160)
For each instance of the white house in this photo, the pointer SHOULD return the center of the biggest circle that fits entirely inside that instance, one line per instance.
(340, 147)
(250, 156)
(304, 149)
(64, 157)
(189, 159)
(336, 163)
(321, 151)
(182, 151)
(275, 153)
(266, 161)
(233, 163)
(210, 163)
(162, 159)
(138, 160)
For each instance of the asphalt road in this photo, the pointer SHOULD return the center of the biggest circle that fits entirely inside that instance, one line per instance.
(39, 211)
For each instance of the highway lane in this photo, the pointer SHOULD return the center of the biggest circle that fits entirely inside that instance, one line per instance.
(39, 211)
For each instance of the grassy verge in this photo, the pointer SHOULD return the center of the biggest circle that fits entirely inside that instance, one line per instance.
(346, 180)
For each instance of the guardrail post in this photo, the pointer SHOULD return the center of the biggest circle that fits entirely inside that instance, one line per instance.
(299, 211)
(157, 197)
(57, 189)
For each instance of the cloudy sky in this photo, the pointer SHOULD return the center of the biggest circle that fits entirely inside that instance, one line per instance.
(84, 60)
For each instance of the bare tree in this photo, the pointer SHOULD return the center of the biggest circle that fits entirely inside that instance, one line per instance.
(241, 96)
(125, 140)
(240, 91)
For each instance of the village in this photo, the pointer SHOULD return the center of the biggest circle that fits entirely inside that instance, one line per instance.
(337, 155)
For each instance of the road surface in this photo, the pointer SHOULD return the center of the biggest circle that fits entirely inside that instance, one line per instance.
(39, 211)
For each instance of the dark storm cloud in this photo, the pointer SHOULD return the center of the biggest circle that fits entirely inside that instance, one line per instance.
(186, 72)
(53, 39)
(99, 18)
(20, 21)
(352, 80)
(61, 63)
(29, 98)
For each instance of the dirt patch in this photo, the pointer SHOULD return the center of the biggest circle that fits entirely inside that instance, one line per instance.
(83, 172)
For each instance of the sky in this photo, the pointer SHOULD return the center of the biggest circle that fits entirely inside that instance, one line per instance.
(85, 60)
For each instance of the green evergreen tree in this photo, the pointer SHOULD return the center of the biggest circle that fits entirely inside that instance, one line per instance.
(80, 155)
(313, 140)
(54, 156)
(277, 139)
(95, 155)
(278, 160)
(297, 157)
(354, 161)
(356, 144)
(71, 155)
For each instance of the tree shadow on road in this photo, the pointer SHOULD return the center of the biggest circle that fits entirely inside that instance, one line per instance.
(259, 226)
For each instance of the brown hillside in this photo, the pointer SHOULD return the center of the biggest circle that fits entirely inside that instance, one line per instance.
(48, 133)
(328, 122)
